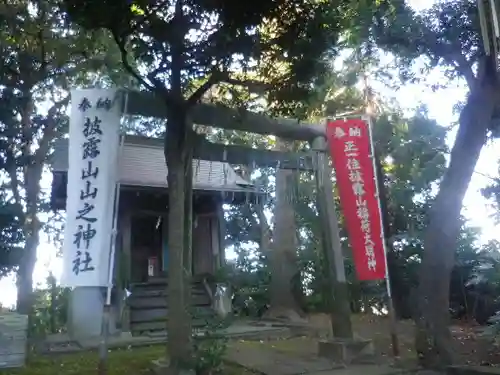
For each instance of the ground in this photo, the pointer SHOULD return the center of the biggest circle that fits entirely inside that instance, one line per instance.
(136, 361)
(471, 347)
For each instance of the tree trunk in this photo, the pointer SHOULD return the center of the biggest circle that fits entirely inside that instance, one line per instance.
(32, 173)
(178, 157)
(188, 251)
(26, 267)
(283, 256)
(188, 224)
(32, 228)
(433, 338)
(264, 229)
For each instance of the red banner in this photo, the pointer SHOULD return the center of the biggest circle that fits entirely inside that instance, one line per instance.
(350, 149)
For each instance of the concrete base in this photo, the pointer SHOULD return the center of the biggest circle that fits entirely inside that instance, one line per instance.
(85, 313)
(161, 367)
(345, 351)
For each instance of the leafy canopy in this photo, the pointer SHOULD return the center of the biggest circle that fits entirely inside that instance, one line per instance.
(41, 55)
(180, 49)
(447, 35)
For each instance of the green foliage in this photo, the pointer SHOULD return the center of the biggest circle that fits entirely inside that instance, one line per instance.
(282, 48)
(483, 284)
(209, 349)
(281, 52)
(249, 277)
(42, 54)
(485, 287)
(412, 155)
(492, 193)
(51, 309)
(136, 360)
(447, 35)
(413, 151)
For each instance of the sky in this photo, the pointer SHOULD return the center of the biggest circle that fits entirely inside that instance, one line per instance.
(439, 104)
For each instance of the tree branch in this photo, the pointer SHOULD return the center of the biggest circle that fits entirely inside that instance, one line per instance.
(218, 77)
(195, 97)
(147, 17)
(27, 128)
(265, 230)
(453, 56)
(159, 29)
(464, 68)
(124, 57)
(50, 130)
(251, 85)
(177, 50)
(14, 180)
(155, 87)
(42, 19)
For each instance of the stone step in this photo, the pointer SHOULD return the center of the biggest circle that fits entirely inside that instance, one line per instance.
(161, 280)
(160, 325)
(146, 315)
(160, 300)
(148, 304)
(146, 293)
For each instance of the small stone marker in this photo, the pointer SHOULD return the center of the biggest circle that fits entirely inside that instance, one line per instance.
(13, 339)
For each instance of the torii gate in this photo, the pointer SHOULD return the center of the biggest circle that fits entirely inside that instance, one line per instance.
(146, 104)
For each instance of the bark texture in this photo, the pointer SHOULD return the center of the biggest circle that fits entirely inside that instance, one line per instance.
(25, 272)
(178, 157)
(265, 242)
(433, 338)
(285, 274)
(32, 227)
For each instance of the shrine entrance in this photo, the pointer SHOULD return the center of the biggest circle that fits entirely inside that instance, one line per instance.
(146, 250)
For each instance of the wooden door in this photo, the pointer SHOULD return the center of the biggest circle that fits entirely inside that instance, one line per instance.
(202, 246)
(146, 243)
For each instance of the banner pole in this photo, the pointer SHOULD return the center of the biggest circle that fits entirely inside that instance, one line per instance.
(103, 344)
(390, 304)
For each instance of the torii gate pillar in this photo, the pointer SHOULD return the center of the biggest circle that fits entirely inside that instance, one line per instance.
(343, 348)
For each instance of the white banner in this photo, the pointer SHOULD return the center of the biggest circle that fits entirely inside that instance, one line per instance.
(94, 137)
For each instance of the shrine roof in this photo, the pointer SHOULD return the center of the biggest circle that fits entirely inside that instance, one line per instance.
(142, 164)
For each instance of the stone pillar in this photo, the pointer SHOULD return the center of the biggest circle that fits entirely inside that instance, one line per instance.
(343, 347)
(85, 313)
(340, 309)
